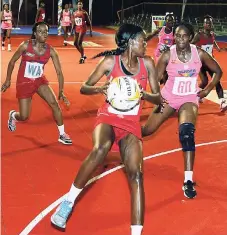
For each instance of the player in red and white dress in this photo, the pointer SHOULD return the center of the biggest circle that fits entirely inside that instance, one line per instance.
(31, 79)
(6, 25)
(65, 22)
(41, 13)
(205, 39)
(80, 21)
(114, 127)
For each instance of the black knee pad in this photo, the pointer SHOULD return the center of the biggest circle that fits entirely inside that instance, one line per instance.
(187, 136)
(9, 37)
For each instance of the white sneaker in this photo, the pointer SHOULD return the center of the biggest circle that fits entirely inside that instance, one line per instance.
(223, 105)
(60, 216)
(11, 121)
(3, 48)
(65, 139)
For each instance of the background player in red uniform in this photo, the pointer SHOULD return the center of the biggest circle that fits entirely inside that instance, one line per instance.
(114, 127)
(30, 80)
(206, 40)
(41, 13)
(80, 21)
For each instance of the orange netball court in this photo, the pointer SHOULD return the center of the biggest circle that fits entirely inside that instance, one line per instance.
(37, 170)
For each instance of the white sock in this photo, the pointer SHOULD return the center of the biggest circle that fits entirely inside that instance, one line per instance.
(221, 100)
(64, 41)
(9, 46)
(136, 229)
(61, 129)
(188, 176)
(73, 193)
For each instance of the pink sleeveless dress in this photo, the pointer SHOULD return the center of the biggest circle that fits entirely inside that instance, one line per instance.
(182, 85)
(8, 17)
(164, 40)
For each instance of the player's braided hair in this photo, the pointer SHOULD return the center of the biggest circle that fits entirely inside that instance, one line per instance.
(122, 36)
(208, 17)
(169, 15)
(188, 26)
(34, 28)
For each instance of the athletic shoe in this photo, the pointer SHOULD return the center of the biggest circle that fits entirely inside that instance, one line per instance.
(59, 218)
(189, 190)
(11, 121)
(3, 48)
(65, 139)
(81, 61)
(223, 105)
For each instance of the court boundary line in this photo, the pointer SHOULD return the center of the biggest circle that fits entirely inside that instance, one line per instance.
(47, 210)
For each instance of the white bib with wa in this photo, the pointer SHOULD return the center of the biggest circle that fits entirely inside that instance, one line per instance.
(208, 48)
(33, 70)
(185, 86)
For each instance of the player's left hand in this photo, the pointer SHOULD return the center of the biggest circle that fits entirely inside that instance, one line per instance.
(5, 85)
(62, 97)
(202, 93)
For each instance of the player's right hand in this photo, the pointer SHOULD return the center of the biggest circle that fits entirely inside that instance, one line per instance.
(5, 85)
(103, 89)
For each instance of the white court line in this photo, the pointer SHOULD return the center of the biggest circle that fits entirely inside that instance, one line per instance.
(46, 211)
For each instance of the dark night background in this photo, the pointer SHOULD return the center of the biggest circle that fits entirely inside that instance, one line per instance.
(104, 11)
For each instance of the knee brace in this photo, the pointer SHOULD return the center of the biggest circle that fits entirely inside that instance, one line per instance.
(186, 135)
(8, 37)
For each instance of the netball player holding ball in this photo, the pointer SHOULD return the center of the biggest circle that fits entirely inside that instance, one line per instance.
(127, 68)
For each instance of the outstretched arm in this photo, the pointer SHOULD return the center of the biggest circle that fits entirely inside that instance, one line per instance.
(15, 57)
(213, 66)
(104, 66)
(155, 96)
(89, 23)
(58, 69)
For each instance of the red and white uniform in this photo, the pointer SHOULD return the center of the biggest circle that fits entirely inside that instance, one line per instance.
(66, 18)
(42, 15)
(124, 122)
(182, 86)
(207, 44)
(80, 18)
(7, 23)
(31, 72)
(164, 39)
